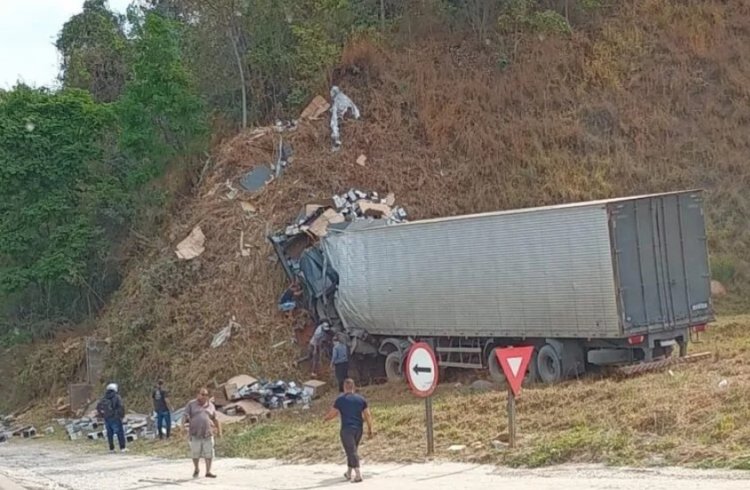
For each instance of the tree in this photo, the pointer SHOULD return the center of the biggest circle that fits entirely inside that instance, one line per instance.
(160, 114)
(95, 52)
(52, 187)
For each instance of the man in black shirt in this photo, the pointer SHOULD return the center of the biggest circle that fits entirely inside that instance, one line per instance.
(162, 409)
(352, 408)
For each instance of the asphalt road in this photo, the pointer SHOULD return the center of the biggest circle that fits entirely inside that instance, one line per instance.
(35, 465)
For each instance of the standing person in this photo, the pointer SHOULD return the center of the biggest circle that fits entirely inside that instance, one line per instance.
(201, 415)
(112, 410)
(163, 409)
(352, 408)
(315, 348)
(340, 361)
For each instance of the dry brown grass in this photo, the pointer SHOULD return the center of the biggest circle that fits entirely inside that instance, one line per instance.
(653, 98)
(682, 417)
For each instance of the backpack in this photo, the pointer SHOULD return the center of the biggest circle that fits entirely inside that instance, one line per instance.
(106, 408)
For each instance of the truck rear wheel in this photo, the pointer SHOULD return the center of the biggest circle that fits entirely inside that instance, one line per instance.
(496, 370)
(549, 365)
(393, 366)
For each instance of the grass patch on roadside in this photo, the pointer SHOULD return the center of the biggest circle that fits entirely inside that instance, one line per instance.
(679, 416)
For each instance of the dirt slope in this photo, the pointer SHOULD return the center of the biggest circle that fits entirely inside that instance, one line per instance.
(651, 97)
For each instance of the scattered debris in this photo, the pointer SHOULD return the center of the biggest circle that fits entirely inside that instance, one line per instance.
(257, 178)
(315, 388)
(718, 289)
(362, 161)
(233, 191)
(192, 246)
(245, 250)
(286, 154)
(224, 334)
(457, 447)
(49, 430)
(247, 207)
(499, 445)
(316, 108)
(341, 105)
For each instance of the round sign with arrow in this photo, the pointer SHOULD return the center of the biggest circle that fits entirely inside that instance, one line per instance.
(421, 369)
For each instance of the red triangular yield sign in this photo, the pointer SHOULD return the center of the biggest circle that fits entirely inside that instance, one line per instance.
(514, 361)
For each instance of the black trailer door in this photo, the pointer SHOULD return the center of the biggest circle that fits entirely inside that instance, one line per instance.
(661, 261)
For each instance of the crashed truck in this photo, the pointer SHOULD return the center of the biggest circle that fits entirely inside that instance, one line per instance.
(590, 284)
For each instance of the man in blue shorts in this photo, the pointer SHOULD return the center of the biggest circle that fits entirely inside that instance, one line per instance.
(352, 408)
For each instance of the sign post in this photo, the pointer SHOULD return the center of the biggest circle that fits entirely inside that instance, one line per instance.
(422, 375)
(514, 361)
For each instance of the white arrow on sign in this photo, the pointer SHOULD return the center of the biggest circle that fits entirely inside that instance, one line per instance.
(515, 364)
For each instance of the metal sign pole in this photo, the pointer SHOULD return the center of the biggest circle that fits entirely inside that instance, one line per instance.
(511, 419)
(428, 418)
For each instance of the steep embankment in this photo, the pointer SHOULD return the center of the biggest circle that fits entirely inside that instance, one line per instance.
(652, 97)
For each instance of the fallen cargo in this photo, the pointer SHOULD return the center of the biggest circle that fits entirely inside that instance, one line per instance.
(609, 282)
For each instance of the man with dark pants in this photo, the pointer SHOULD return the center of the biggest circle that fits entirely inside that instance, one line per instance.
(352, 408)
(340, 361)
(112, 410)
(162, 409)
(201, 415)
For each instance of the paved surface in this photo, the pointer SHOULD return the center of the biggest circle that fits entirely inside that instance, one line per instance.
(36, 466)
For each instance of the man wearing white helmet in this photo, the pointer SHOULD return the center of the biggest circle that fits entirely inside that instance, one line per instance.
(112, 410)
(341, 105)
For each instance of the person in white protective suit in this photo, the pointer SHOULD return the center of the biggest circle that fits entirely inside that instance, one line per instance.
(341, 105)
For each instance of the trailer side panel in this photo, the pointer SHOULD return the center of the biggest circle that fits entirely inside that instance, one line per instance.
(541, 273)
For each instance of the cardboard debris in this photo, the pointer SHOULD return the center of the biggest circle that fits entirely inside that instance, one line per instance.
(390, 199)
(239, 381)
(319, 227)
(247, 407)
(228, 419)
(362, 160)
(192, 246)
(375, 210)
(316, 108)
(247, 207)
(315, 388)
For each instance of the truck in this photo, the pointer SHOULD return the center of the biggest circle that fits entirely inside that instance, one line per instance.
(590, 284)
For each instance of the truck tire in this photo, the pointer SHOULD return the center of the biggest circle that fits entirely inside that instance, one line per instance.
(496, 370)
(549, 365)
(532, 372)
(394, 366)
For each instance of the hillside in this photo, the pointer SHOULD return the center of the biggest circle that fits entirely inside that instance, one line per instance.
(651, 96)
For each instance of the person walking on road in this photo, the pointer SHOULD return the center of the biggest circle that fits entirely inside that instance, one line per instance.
(352, 409)
(163, 409)
(201, 415)
(340, 361)
(112, 410)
